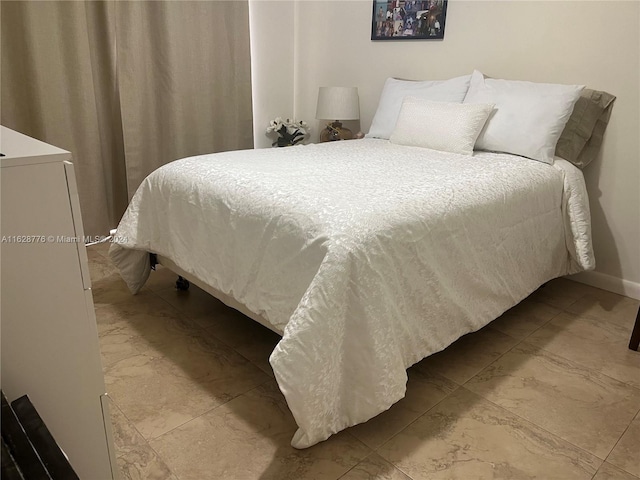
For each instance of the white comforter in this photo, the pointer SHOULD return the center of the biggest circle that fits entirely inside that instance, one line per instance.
(367, 256)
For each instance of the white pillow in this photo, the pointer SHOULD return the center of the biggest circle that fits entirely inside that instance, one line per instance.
(529, 117)
(395, 90)
(448, 127)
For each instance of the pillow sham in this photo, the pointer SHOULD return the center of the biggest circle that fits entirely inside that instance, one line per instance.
(529, 117)
(447, 127)
(394, 91)
(581, 138)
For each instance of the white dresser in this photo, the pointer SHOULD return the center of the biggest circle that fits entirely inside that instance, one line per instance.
(49, 338)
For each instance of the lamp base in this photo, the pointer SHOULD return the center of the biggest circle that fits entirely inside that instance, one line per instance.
(335, 131)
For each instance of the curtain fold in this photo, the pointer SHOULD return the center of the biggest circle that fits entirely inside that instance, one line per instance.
(57, 75)
(126, 87)
(192, 59)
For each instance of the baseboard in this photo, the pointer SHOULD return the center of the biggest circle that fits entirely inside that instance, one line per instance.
(609, 283)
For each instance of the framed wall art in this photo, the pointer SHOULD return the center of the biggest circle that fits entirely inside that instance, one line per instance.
(408, 19)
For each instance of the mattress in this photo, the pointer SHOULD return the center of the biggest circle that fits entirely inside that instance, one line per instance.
(366, 256)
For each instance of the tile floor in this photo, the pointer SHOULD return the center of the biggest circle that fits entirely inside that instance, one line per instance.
(549, 390)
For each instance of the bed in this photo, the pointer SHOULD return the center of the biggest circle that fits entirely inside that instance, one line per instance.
(366, 255)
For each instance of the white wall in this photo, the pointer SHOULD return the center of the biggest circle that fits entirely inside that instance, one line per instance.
(272, 64)
(581, 42)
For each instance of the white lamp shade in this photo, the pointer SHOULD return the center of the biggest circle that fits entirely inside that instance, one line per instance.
(338, 103)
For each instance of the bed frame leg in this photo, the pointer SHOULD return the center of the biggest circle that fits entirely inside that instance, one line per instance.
(182, 284)
(634, 341)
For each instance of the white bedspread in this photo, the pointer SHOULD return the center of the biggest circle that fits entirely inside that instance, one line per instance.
(367, 256)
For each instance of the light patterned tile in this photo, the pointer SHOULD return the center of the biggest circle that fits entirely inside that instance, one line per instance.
(610, 472)
(374, 467)
(144, 315)
(246, 336)
(561, 292)
(593, 343)
(100, 267)
(119, 345)
(579, 405)
(111, 289)
(161, 390)
(466, 437)
(249, 338)
(237, 330)
(249, 438)
(258, 353)
(136, 459)
(523, 319)
(469, 355)
(100, 248)
(424, 390)
(167, 372)
(139, 326)
(195, 303)
(626, 454)
(608, 307)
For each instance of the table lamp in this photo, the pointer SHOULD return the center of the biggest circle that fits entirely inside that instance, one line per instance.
(337, 103)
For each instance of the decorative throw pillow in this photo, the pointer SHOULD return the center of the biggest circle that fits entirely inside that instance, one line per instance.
(395, 90)
(448, 127)
(582, 136)
(529, 117)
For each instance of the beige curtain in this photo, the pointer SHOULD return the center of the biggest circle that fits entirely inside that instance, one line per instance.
(126, 87)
